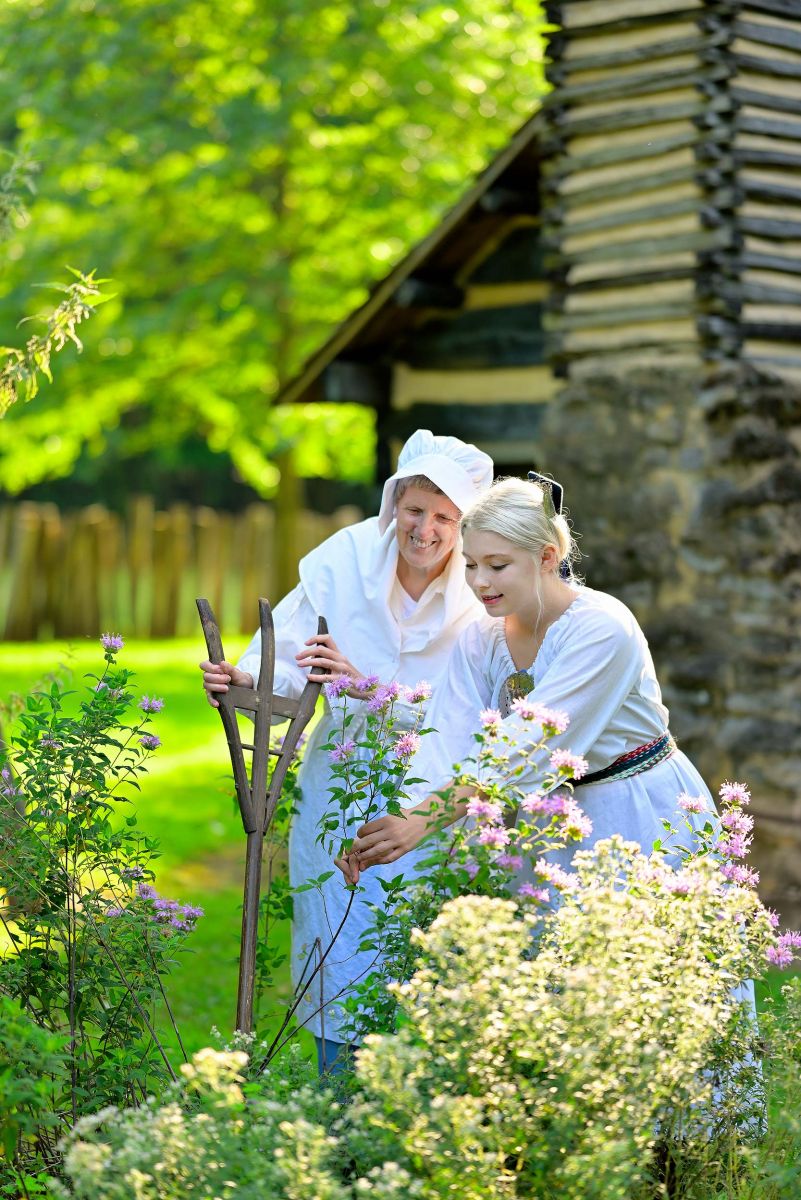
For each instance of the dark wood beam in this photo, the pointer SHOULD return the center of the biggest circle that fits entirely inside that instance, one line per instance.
(424, 293)
(356, 383)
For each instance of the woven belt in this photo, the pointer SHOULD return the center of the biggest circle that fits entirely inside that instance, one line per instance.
(641, 759)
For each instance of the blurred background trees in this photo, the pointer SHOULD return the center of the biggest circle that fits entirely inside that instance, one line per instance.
(240, 171)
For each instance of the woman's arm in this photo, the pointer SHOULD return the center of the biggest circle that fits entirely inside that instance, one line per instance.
(388, 838)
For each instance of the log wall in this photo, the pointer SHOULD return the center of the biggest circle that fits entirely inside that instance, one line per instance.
(671, 193)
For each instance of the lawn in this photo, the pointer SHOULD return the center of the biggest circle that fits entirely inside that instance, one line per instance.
(187, 803)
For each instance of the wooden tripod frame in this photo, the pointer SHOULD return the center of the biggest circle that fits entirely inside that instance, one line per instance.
(257, 801)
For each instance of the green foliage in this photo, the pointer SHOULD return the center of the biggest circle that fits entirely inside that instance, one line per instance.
(243, 171)
(558, 1075)
(86, 939)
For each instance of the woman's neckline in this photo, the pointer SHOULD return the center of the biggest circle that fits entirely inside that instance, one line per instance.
(530, 666)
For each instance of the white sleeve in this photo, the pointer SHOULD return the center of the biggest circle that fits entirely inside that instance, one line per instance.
(294, 621)
(453, 714)
(590, 676)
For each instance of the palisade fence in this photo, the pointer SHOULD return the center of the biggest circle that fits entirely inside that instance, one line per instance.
(80, 573)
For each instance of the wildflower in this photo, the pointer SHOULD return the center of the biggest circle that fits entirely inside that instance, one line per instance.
(491, 810)
(150, 741)
(736, 821)
(48, 743)
(114, 910)
(738, 873)
(529, 710)
(569, 764)
(513, 862)
(472, 868)
(554, 720)
(151, 704)
(146, 891)
(734, 846)
(491, 720)
(693, 804)
(342, 750)
(779, 956)
(383, 697)
(494, 835)
(366, 684)
(8, 789)
(534, 893)
(131, 873)
(419, 693)
(337, 687)
(564, 880)
(734, 793)
(575, 823)
(111, 642)
(407, 745)
(100, 685)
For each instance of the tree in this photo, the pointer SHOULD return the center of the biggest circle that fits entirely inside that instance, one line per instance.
(241, 170)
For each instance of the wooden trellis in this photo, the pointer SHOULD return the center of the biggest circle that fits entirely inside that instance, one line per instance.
(257, 798)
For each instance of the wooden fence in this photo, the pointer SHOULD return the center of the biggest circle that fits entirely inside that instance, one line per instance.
(78, 574)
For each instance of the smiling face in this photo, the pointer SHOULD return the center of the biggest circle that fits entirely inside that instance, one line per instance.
(427, 528)
(503, 577)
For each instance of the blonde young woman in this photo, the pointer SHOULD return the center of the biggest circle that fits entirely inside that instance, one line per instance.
(575, 649)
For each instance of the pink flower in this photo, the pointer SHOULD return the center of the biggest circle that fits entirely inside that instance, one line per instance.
(734, 793)
(407, 745)
(534, 893)
(555, 804)
(779, 956)
(554, 720)
(564, 880)
(151, 704)
(490, 719)
(342, 750)
(111, 642)
(736, 821)
(693, 804)
(337, 687)
(575, 823)
(566, 763)
(738, 873)
(419, 693)
(529, 710)
(511, 861)
(490, 810)
(366, 684)
(735, 846)
(383, 697)
(494, 835)
(472, 868)
(150, 741)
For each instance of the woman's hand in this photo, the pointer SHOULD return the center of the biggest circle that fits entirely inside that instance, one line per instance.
(388, 838)
(325, 662)
(218, 676)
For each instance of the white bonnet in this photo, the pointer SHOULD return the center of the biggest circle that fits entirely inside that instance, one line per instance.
(460, 470)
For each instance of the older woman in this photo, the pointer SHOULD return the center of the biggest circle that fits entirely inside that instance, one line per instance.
(393, 591)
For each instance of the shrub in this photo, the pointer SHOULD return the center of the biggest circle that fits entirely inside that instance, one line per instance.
(87, 938)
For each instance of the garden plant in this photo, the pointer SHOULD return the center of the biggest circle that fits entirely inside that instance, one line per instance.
(527, 1031)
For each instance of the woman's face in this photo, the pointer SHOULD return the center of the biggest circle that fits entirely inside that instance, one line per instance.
(427, 527)
(503, 576)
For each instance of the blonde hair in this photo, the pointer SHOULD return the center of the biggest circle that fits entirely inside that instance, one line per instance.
(522, 512)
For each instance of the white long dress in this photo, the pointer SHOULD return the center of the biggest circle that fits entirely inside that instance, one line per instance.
(595, 665)
(351, 580)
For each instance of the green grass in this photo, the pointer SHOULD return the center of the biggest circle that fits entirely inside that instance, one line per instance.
(186, 802)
